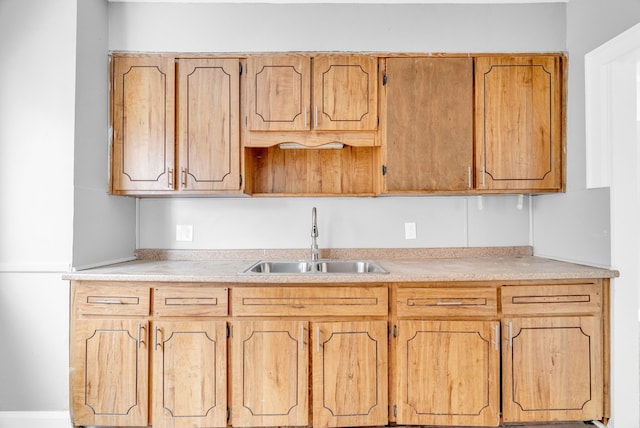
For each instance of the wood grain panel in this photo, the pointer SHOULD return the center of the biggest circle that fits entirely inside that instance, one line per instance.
(310, 301)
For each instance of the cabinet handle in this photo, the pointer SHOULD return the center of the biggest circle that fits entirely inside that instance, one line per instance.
(107, 302)
(170, 178)
(184, 177)
(140, 328)
(510, 334)
(496, 342)
(316, 117)
(301, 336)
(448, 303)
(469, 184)
(483, 174)
(318, 337)
(155, 339)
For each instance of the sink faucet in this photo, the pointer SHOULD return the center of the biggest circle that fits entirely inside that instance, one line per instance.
(314, 234)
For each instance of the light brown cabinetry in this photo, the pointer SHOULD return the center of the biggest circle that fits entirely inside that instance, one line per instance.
(553, 353)
(311, 101)
(142, 120)
(271, 356)
(453, 354)
(447, 357)
(299, 92)
(201, 154)
(519, 123)
(131, 369)
(427, 129)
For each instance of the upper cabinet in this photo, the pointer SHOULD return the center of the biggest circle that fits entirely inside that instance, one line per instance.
(519, 123)
(427, 112)
(142, 120)
(337, 124)
(311, 100)
(201, 154)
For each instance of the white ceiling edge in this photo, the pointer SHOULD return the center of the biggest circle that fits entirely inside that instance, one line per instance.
(343, 1)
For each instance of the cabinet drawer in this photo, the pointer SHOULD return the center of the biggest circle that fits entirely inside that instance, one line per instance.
(112, 300)
(199, 302)
(583, 298)
(310, 301)
(425, 302)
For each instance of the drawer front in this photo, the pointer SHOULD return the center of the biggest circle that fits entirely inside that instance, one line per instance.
(426, 302)
(310, 301)
(193, 301)
(103, 299)
(534, 299)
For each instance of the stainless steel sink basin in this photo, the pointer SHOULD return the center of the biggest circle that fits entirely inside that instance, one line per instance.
(314, 267)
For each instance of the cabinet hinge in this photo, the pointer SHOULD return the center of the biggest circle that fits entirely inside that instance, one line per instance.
(384, 170)
(384, 80)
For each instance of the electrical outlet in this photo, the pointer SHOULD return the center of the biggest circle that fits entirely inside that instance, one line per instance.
(184, 232)
(410, 231)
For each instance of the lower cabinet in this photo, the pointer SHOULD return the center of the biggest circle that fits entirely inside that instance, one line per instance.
(109, 372)
(189, 383)
(270, 364)
(349, 362)
(445, 354)
(449, 373)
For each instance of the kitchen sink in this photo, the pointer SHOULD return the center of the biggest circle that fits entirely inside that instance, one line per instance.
(314, 267)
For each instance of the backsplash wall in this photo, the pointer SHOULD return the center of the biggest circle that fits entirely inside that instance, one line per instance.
(242, 223)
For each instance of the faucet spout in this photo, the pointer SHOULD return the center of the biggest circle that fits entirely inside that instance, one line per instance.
(314, 234)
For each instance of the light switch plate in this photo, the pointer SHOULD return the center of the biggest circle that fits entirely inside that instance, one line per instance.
(184, 232)
(410, 230)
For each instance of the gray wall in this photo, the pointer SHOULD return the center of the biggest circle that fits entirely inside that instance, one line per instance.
(575, 226)
(361, 222)
(37, 90)
(103, 225)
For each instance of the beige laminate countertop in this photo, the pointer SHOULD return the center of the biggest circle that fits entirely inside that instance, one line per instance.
(422, 265)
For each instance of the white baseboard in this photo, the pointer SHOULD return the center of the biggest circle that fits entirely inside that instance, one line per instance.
(35, 419)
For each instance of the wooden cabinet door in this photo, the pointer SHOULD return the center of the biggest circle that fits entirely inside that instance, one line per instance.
(270, 373)
(428, 116)
(448, 373)
(109, 372)
(552, 369)
(142, 99)
(278, 92)
(208, 124)
(519, 123)
(189, 374)
(345, 92)
(349, 362)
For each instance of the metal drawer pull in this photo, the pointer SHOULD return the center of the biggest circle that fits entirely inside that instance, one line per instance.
(496, 341)
(107, 302)
(510, 334)
(448, 303)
